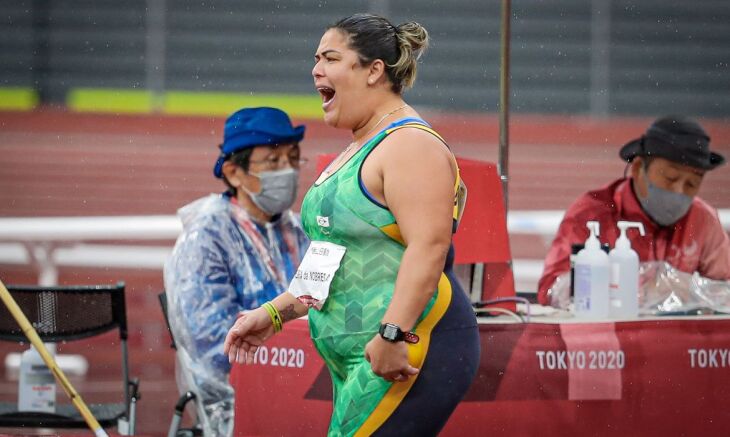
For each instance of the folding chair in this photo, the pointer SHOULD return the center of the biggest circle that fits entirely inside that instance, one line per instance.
(175, 430)
(65, 314)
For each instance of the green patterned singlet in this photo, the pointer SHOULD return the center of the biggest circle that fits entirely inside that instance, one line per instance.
(338, 211)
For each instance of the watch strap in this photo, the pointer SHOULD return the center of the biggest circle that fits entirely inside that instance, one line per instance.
(410, 337)
(400, 335)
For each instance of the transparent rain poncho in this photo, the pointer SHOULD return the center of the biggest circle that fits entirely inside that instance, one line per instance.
(664, 290)
(222, 263)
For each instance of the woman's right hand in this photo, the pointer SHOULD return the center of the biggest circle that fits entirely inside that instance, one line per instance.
(249, 332)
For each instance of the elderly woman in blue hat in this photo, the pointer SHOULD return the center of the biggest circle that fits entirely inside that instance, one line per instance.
(237, 250)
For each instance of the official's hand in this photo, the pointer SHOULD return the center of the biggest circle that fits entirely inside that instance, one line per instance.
(249, 332)
(559, 292)
(389, 360)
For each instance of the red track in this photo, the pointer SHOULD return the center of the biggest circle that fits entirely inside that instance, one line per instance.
(59, 163)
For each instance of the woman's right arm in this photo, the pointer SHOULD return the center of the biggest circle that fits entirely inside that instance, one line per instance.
(253, 328)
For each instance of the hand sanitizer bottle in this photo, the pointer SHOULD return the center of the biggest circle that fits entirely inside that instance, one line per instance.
(36, 384)
(591, 278)
(624, 285)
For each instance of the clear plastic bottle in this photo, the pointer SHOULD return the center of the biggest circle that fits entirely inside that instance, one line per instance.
(624, 285)
(36, 384)
(591, 298)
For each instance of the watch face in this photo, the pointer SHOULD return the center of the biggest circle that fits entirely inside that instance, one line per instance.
(390, 332)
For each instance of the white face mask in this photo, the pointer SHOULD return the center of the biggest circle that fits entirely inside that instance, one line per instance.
(278, 190)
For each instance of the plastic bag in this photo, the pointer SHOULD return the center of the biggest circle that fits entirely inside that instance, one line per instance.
(665, 290)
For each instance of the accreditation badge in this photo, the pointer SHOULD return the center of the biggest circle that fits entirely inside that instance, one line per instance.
(311, 284)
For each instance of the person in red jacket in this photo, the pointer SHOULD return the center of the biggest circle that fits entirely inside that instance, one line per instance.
(666, 168)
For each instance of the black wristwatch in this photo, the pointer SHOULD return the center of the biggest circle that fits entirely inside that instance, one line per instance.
(393, 334)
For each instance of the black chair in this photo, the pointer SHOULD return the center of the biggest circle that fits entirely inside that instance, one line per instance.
(72, 313)
(175, 430)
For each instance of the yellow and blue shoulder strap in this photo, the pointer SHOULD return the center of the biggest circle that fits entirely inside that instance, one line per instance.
(460, 191)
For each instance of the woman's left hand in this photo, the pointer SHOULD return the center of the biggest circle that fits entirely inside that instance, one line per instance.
(389, 360)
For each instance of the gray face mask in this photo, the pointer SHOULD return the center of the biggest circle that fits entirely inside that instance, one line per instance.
(663, 206)
(278, 190)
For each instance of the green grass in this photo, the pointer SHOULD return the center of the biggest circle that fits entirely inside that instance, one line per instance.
(211, 103)
(18, 98)
(302, 106)
(110, 100)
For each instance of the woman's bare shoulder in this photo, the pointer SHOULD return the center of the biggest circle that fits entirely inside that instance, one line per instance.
(413, 142)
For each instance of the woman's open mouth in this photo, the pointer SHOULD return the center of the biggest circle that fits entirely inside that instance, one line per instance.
(328, 95)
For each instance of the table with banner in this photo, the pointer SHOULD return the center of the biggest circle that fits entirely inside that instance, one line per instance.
(656, 376)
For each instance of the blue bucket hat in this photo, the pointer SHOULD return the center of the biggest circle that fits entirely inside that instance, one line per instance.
(251, 127)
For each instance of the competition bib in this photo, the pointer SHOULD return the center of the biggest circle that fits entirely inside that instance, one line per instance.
(311, 284)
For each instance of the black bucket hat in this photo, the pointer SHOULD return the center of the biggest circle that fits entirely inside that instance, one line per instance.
(677, 139)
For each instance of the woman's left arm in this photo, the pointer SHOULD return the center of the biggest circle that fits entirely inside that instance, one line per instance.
(418, 174)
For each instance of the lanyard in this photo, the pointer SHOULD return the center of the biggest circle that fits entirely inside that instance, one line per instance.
(253, 235)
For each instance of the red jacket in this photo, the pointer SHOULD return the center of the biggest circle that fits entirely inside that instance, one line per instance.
(696, 243)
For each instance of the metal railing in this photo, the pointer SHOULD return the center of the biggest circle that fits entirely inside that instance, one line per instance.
(145, 242)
